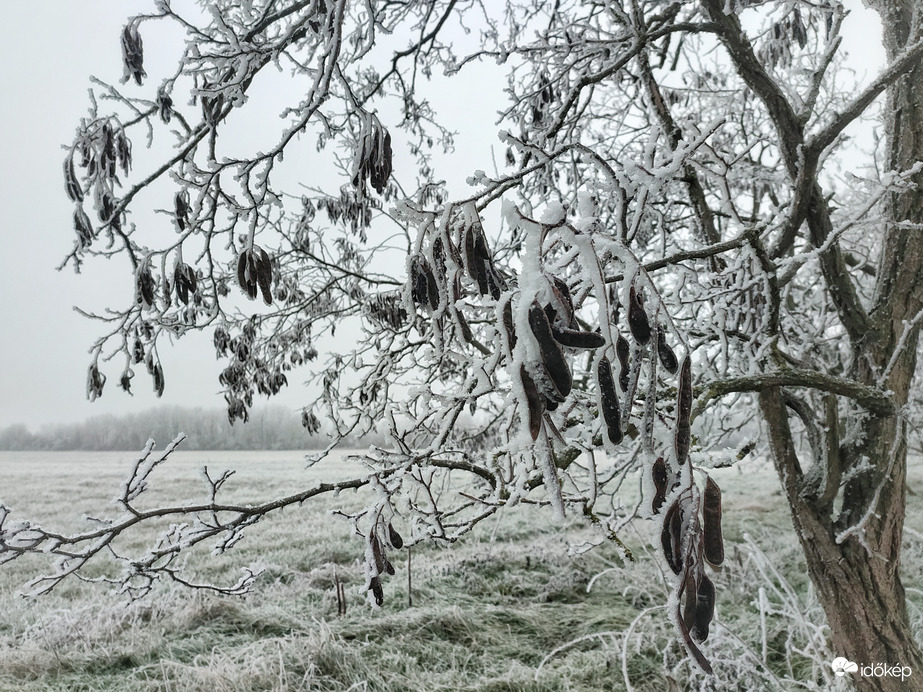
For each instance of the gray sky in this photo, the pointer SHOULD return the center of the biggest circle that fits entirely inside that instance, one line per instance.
(44, 69)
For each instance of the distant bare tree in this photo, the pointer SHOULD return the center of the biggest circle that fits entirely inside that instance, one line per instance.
(666, 215)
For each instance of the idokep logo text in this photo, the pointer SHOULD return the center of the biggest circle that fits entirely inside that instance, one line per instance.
(841, 666)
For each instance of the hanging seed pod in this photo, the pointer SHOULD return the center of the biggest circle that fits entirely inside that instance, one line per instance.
(704, 609)
(377, 554)
(181, 209)
(609, 400)
(145, 286)
(389, 568)
(577, 339)
(83, 227)
(683, 435)
(508, 330)
(690, 589)
(671, 537)
(157, 372)
(377, 591)
(164, 106)
(95, 382)
(552, 356)
(711, 523)
(71, 184)
(659, 477)
(184, 280)
(637, 318)
(132, 54)
(394, 537)
(550, 404)
(263, 273)
(623, 351)
(419, 286)
(432, 288)
(561, 292)
(533, 402)
(665, 353)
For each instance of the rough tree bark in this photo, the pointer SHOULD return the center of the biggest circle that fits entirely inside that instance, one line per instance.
(854, 557)
(853, 554)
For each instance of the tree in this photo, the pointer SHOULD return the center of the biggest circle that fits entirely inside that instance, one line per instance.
(667, 186)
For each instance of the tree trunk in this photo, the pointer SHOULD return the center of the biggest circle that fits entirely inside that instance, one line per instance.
(857, 581)
(858, 578)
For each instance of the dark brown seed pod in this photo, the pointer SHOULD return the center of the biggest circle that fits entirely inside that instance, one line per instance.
(389, 568)
(552, 356)
(464, 327)
(157, 372)
(665, 353)
(659, 476)
(623, 351)
(71, 184)
(550, 404)
(609, 400)
(711, 523)
(377, 591)
(145, 286)
(575, 339)
(419, 286)
(432, 288)
(690, 589)
(264, 273)
(684, 412)
(637, 318)
(508, 329)
(471, 259)
(83, 227)
(181, 209)
(377, 553)
(704, 609)
(395, 537)
(671, 537)
(562, 293)
(533, 402)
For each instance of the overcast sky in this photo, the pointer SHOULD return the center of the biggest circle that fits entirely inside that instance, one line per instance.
(44, 66)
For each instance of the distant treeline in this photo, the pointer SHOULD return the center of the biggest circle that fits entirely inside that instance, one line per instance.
(271, 427)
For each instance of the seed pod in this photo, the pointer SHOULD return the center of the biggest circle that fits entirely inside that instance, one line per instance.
(508, 329)
(659, 476)
(377, 553)
(83, 227)
(395, 537)
(377, 591)
(533, 402)
(575, 339)
(690, 589)
(671, 537)
(71, 184)
(623, 351)
(471, 259)
(684, 412)
(665, 353)
(132, 54)
(432, 288)
(389, 568)
(637, 318)
(550, 404)
(711, 523)
(263, 267)
(157, 372)
(145, 286)
(552, 356)
(562, 293)
(181, 209)
(419, 286)
(704, 609)
(609, 400)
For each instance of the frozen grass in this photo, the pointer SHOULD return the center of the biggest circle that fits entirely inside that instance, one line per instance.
(506, 609)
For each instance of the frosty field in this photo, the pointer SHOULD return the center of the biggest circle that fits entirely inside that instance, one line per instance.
(511, 607)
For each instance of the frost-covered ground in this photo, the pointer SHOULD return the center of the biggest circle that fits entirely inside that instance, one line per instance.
(512, 607)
